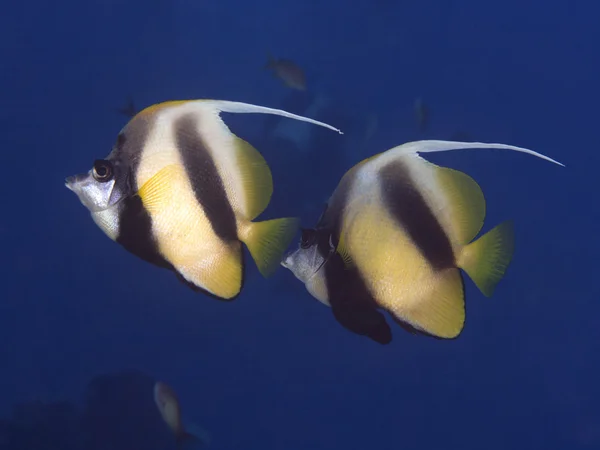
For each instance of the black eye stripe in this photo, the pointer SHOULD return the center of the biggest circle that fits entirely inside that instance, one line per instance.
(308, 238)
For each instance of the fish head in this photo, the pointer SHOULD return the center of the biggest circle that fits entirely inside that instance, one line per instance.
(309, 260)
(102, 190)
(310, 256)
(102, 187)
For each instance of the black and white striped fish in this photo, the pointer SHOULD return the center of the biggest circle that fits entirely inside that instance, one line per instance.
(393, 237)
(180, 191)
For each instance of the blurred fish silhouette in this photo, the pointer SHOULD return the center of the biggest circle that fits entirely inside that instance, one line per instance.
(394, 236)
(288, 72)
(422, 114)
(129, 109)
(168, 405)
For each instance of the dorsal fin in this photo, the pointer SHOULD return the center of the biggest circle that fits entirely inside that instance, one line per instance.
(430, 146)
(235, 107)
(239, 107)
(256, 178)
(466, 203)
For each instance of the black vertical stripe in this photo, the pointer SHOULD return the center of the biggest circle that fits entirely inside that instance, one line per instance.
(207, 184)
(127, 151)
(351, 302)
(135, 223)
(135, 232)
(404, 200)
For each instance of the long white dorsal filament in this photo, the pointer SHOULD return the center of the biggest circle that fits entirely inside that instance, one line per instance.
(430, 146)
(239, 107)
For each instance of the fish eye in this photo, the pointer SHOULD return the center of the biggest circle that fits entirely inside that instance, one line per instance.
(309, 237)
(102, 171)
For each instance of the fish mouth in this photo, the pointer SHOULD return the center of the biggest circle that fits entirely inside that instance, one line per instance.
(74, 182)
(70, 182)
(285, 261)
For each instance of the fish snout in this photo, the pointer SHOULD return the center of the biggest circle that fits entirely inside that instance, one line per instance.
(287, 261)
(75, 182)
(70, 182)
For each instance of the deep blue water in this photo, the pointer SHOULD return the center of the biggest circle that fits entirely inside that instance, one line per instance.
(273, 370)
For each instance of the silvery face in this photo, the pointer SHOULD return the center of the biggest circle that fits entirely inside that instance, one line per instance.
(98, 190)
(307, 260)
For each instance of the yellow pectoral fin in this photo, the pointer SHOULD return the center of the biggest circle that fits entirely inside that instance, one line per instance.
(343, 251)
(157, 191)
(369, 239)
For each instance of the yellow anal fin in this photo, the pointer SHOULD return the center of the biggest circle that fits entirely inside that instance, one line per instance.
(220, 273)
(159, 188)
(486, 259)
(256, 178)
(267, 241)
(466, 203)
(439, 309)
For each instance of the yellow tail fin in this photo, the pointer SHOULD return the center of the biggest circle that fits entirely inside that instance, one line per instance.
(268, 240)
(486, 259)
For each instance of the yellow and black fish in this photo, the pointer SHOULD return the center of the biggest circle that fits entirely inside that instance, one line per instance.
(394, 236)
(180, 190)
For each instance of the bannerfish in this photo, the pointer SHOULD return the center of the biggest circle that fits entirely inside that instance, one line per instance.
(288, 72)
(170, 410)
(393, 237)
(180, 191)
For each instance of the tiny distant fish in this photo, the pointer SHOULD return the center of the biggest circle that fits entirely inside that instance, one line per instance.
(168, 405)
(181, 191)
(422, 114)
(128, 110)
(288, 72)
(394, 236)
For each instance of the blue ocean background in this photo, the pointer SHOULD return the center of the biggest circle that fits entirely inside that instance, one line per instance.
(86, 328)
